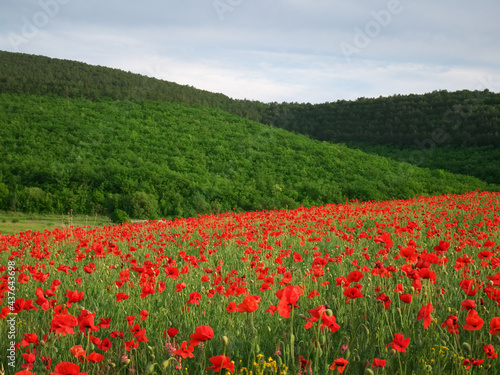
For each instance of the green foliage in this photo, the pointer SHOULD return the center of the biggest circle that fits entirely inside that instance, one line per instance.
(455, 121)
(153, 159)
(143, 206)
(119, 216)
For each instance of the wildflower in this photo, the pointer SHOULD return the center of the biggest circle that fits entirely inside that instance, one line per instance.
(399, 343)
(202, 333)
(185, 350)
(221, 362)
(288, 299)
(340, 364)
(63, 324)
(494, 325)
(490, 351)
(474, 322)
(425, 313)
(67, 368)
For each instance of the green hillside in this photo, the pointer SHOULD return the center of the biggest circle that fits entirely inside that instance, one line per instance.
(154, 159)
(406, 127)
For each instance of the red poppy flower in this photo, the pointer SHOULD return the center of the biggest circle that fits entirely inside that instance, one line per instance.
(171, 332)
(354, 276)
(399, 343)
(172, 272)
(288, 299)
(474, 322)
(385, 299)
(451, 324)
(29, 338)
(231, 307)
(221, 362)
(78, 352)
(494, 325)
(194, 298)
(378, 363)
(185, 351)
(121, 297)
(202, 333)
(95, 357)
(144, 314)
(313, 294)
(351, 293)
(467, 363)
(340, 364)
(86, 321)
(67, 368)
(104, 323)
(63, 324)
(425, 313)
(406, 298)
(179, 287)
(399, 288)
(330, 322)
(304, 362)
(468, 304)
(490, 351)
(105, 345)
(250, 304)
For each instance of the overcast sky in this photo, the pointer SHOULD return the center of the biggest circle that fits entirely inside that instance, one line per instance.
(272, 50)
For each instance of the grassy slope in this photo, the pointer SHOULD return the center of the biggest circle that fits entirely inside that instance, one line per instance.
(190, 159)
(395, 123)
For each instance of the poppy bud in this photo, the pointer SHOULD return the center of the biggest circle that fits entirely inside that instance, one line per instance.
(153, 356)
(369, 371)
(466, 346)
(224, 341)
(42, 342)
(328, 312)
(165, 363)
(112, 364)
(150, 348)
(150, 368)
(127, 361)
(257, 348)
(392, 352)
(322, 340)
(302, 316)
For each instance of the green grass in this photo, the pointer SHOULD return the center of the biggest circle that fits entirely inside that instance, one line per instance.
(15, 222)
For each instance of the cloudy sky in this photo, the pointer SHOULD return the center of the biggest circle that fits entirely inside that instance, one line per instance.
(272, 50)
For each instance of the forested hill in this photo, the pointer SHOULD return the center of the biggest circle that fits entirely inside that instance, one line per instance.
(462, 118)
(154, 159)
(40, 75)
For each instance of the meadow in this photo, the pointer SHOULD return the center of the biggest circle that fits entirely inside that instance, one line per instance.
(15, 222)
(385, 287)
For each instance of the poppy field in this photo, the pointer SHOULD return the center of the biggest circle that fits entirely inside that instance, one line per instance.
(402, 286)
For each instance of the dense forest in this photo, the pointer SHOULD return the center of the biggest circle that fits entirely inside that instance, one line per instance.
(436, 130)
(150, 159)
